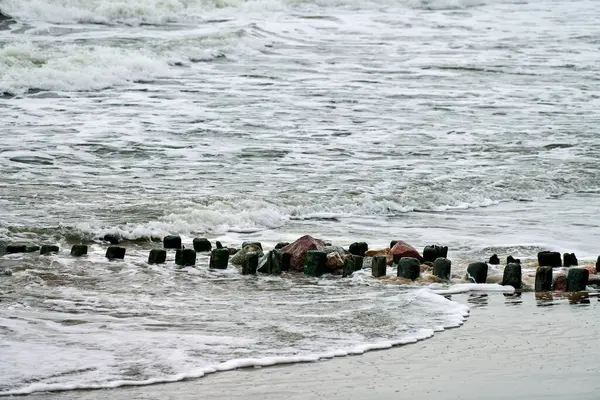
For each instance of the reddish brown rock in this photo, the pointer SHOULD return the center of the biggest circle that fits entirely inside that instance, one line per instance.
(387, 253)
(402, 249)
(560, 283)
(591, 268)
(298, 250)
(335, 261)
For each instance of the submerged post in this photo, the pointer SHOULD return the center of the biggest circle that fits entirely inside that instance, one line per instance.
(378, 266)
(477, 272)
(543, 279)
(219, 258)
(315, 263)
(577, 279)
(157, 256)
(512, 276)
(79, 250)
(409, 268)
(441, 268)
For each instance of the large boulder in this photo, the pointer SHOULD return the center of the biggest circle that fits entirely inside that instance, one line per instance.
(387, 253)
(298, 251)
(335, 261)
(402, 249)
(241, 257)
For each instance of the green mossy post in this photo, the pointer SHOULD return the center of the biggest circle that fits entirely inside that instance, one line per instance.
(512, 276)
(409, 268)
(157, 256)
(441, 268)
(202, 245)
(185, 257)
(379, 266)
(577, 279)
(115, 253)
(315, 263)
(358, 262)
(543, 279)
(79, 250)
(47, 249)
(278, 262)
(219, 258)
(172, 242)
(250, 265)
(358, 248)
(16, 248)
(549, 259)
(477, 272)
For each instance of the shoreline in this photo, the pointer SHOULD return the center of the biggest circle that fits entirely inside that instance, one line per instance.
(509, 347)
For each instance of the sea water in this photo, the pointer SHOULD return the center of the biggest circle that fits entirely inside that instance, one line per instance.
(471, 124)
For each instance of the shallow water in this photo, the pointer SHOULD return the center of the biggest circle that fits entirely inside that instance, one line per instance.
(465, 123)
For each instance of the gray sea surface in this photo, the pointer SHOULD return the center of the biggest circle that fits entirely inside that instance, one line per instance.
(468, 123)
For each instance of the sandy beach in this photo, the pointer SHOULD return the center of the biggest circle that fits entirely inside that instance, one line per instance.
(509, 347)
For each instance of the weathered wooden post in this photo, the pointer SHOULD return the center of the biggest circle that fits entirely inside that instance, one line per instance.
(409, 268)
(577, 279)
(549, 259)
(48, 249)
(379, 266)
(157, 256)
(79, 250)
(201, 245)
(115, 253)
(543, 279)
(219, 258)
(441, 268)
(315, 263)
(512, 276)
(172, 242)
(185, 257)
(477, 272)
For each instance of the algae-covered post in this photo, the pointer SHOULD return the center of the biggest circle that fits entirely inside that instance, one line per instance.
(543, 279)
(79, 250)
(219, 258)
(48, 249)
(432, 253)
(477, 272)
(185, 257)
(201, 245)
(512, 276)
(409, 268)
(172, 242)
(441, 268)
(250, 265)
(378, 266)
(315, 263)
(577, 279)
(115, 253)
(157, 256)
(549, 259)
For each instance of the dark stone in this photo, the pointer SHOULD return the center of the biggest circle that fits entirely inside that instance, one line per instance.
(172, 242)
(281, 245)
(32, 249)
(6, 272)
(79, 250)
(358, 262)
(512, 260)
(16, 248)
(315, 263)
(157, 256)
(47, 249)
(185, 257)
(494, 260)
(393, 243)
(250, 265)
(477, 272)
(219, 258)
(441, 268)
(598, 265)
(569, 260)
(202, 245)
(257, 244)
(577, 279)
(115, 252)
(409, 268)
(112, 239)
(219, 245)
(432, 253)
(378, 266)
(543, 279)
(512, 276)
(549, 259)
(359, 248)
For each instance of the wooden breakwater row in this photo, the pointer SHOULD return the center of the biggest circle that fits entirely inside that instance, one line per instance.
(313, 257)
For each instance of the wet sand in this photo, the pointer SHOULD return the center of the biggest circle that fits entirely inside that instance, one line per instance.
(509, 348)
